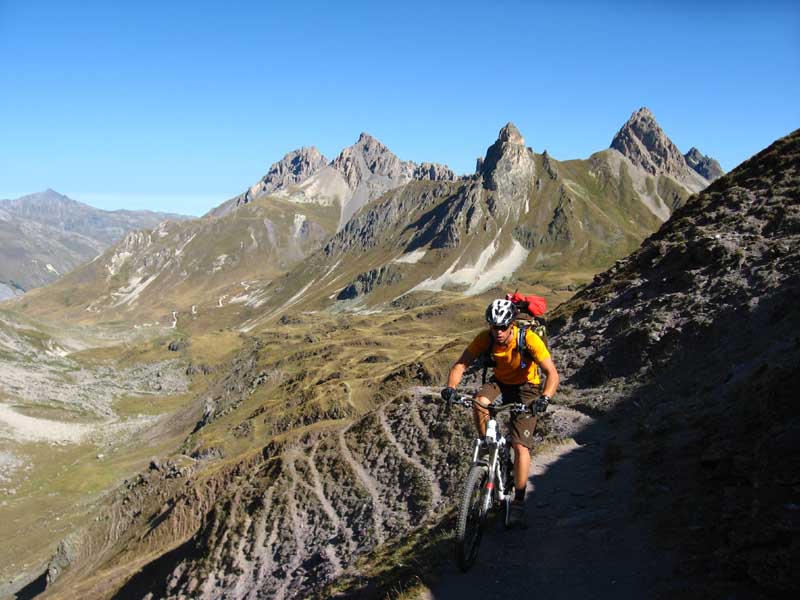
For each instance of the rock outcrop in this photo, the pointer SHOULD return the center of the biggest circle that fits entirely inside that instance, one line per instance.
(704, 164)
(434, 172)
(293, 168)
(509, 168)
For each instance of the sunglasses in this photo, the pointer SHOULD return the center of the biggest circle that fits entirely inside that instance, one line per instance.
(500, 328)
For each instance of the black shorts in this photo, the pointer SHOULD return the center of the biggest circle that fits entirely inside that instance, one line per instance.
(522, 425)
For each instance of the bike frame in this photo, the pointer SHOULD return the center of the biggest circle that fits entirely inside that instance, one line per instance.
(496, 484)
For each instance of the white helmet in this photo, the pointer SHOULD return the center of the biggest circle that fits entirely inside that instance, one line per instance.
(501, 313)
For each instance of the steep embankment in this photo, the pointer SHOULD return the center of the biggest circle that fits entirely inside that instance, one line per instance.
(695, 335)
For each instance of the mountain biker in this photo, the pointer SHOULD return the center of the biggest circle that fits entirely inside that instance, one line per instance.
(515, 380)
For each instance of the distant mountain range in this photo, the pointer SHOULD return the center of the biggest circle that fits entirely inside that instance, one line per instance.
(361, 172)
(47, 234)
(368, 228)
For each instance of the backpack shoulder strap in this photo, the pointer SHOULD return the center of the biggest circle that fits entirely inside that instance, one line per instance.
(525, 356)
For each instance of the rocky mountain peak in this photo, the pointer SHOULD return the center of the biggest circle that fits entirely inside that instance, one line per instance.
(643, 141)
(508, 167)
(511, 135)
(703, 164)
(368, 157)
(294, 167)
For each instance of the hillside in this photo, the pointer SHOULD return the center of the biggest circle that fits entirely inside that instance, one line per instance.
(186, 270)
(45, 235)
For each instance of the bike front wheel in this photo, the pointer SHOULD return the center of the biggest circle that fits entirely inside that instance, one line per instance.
(469, 528)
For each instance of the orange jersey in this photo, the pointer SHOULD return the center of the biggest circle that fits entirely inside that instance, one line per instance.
(507, 359)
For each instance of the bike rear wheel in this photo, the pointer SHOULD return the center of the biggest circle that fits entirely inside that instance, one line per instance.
(469, 528)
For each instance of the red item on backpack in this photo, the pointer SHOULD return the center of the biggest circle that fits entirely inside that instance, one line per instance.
(534, 305)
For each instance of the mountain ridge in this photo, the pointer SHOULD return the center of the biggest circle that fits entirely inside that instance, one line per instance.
(522, 215)
(47, 234)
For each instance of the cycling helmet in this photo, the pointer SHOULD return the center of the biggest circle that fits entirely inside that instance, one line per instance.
(501, 313)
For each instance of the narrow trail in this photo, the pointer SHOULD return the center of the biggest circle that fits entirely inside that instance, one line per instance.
(436, 491)
(369, 484)
(584, 537)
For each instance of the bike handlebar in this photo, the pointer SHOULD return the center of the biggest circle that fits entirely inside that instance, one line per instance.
(494, 409)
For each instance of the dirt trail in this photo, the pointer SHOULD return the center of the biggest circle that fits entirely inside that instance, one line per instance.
(584, 539)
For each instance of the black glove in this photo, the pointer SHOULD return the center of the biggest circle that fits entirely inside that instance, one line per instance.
(540, 405)
(448, 393)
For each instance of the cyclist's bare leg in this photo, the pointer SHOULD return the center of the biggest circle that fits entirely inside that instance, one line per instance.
(481, 415)
(522, 465)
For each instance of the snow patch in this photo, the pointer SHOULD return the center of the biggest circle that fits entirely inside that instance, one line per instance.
(174, 319)
(479, 277)
(221, 298)
(194, 309)
(411, 257)
(299, 221)
(179, 251)
(52, 269)
(128, 294)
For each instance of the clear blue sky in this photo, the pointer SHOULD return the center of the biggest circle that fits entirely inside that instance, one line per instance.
(177, 106)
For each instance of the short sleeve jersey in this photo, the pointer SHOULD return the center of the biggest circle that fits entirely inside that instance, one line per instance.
(507, 359)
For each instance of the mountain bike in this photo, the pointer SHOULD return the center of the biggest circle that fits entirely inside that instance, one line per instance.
(489, 484)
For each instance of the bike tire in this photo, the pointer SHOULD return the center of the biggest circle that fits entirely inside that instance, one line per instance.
(469, 528)
(508, 477)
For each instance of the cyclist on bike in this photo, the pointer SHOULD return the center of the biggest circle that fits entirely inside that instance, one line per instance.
(517, 379)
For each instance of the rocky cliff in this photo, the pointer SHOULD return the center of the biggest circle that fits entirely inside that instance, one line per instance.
(694, 337)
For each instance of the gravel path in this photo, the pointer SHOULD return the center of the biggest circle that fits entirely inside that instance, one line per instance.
(584, 539)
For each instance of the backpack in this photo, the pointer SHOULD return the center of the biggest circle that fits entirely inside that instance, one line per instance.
(535, 306)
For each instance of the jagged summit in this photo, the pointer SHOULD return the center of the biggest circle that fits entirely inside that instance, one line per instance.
(296, 166)
(643, 141)
(508, 167)
(510, 134)
(704, 164)
(370, 156)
